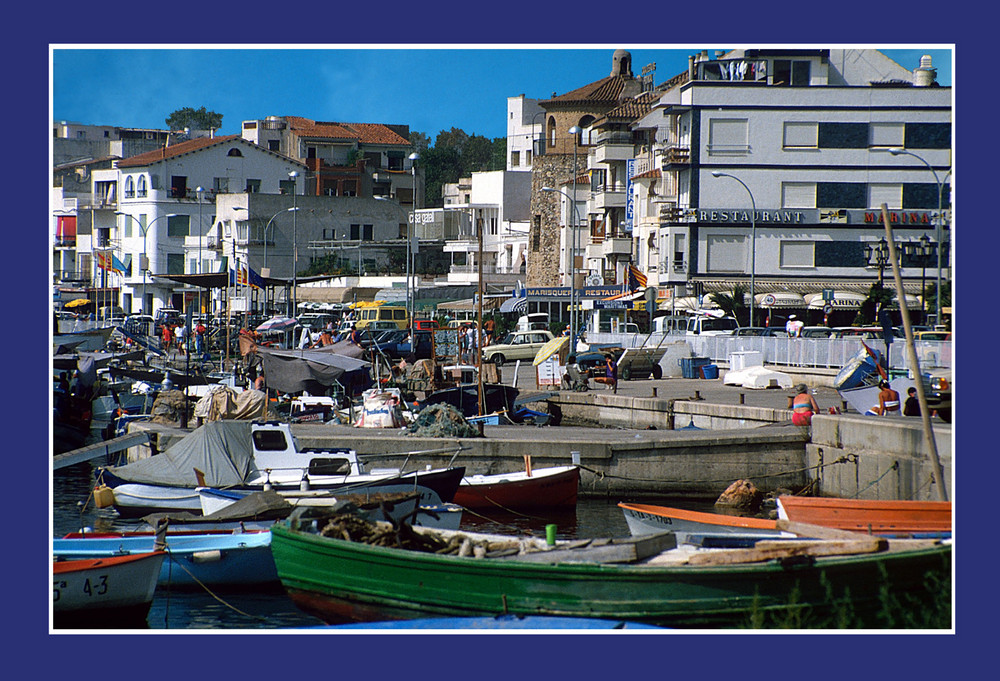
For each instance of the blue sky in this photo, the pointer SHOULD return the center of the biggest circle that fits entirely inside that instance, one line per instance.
(428, 89)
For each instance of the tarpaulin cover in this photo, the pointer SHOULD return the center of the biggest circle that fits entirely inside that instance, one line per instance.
(222, 450)
(264, 505)
(225, 403)
(292, 371)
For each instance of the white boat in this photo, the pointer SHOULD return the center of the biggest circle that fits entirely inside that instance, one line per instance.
(249, 456)
(105, 592)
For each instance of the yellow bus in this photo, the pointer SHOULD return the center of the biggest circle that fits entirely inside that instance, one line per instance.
(383, 313)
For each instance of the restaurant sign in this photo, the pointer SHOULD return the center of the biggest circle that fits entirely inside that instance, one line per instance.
(830, 216)
(559, 292)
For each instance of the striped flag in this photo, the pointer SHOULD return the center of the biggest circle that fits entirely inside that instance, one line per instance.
(636, 279)
(106, 260)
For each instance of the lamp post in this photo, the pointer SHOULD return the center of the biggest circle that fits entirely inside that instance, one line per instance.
(410, 233)
(938, 225)
(753, 237)
(295, 248)
(145, 262)
(877, 255)
(573, 314)
(199, 192)
(572, 331)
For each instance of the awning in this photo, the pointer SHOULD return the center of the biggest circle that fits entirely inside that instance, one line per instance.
(469, 304)
(514, 304)
(686, 303)
(782, 299)
(842, 300)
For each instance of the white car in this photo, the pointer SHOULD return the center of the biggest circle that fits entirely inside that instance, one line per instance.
(517, 345)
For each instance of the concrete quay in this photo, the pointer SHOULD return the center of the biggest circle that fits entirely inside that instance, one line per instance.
(627, 448)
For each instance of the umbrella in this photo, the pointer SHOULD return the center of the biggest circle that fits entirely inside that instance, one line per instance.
(550, 348)
(78, 302)
(277, 324)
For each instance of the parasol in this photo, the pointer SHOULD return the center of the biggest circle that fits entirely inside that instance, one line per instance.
(78, 302)
(550, 348)
(276, 324)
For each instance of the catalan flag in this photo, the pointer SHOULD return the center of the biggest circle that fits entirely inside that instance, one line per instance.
(106, 260)
(636, 279)
(246, 277)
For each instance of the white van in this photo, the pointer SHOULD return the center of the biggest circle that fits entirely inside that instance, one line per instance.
(704, 325)
(537, 321)
(671, 324)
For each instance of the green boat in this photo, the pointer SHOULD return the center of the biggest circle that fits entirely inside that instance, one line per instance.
(649, 582)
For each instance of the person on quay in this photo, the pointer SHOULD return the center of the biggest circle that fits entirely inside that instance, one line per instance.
(574, 379)
(912, 405)
(888, 400)
(794, 326)
(803, 405)
(610, 377)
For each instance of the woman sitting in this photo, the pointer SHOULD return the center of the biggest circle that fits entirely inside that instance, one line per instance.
(803, 405)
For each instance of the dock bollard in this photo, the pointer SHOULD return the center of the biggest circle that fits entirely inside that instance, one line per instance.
(550, 535)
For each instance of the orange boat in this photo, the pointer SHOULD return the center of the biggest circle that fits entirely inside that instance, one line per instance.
(869, 515)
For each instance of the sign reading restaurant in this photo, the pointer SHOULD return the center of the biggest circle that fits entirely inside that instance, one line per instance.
(842, 216)
(551, 292)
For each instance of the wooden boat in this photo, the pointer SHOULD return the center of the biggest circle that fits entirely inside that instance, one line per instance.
(105, 592)
(497, 622)
(193, 560)
(650, 519)
(646, 580)
(551, 487)
(901, 518)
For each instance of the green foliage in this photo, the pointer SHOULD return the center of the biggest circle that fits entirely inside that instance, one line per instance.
(455, 155)
(420, 141)
(195, 119)
(731, 303)
(878, 298)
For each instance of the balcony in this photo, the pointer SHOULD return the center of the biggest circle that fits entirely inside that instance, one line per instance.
(608, 198)
(616, 246)
(606, 152)
(676, 157)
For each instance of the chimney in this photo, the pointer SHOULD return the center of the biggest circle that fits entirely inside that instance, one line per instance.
(924, 75)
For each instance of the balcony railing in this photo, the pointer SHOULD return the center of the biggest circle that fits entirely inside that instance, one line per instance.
(676, 156)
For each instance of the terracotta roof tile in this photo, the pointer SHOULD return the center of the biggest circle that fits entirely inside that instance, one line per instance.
(174, 150)
(607, 89)
(649, 174)
(367, 133)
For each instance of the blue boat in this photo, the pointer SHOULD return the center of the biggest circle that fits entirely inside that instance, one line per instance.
(498, 622)
(193, 560)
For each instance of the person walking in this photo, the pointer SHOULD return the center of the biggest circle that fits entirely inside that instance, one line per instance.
(803, 405)
(794, 326)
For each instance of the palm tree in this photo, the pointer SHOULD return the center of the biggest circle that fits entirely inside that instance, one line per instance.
(731, 304)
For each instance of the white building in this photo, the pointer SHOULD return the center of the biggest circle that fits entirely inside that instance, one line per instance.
(524, 131)
(802, 136)
(159, 221)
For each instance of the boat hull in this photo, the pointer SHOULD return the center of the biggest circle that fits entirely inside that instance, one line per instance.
(900, 518)
(553, 487)
(341, 581)
(105, 592)
(645, 519)
(214, 560)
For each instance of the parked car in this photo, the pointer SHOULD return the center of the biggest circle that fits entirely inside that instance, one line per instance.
(932, 336)
(770, 331)
(937, 392)
(815, 332)
(517, 345)
(398, 347)
(425, 324)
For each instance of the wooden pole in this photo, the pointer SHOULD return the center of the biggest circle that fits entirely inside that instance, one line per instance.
(479, 322)
(911, 352)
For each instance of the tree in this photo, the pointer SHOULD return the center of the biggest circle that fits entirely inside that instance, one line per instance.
(195, 119)
(420, 141)
(731, 304)
(878, 298)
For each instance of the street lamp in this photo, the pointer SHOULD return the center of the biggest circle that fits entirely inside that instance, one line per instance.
(200, 194)
(295, 249)
(877, 255)
(145, 261)
(938, 225)
(573, 320)
(753, 237)
(572, 332)
(410, 233)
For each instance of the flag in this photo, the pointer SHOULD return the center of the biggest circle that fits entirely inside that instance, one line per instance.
(254, 279)
(636, 279)
(108, 261)
(246, 278)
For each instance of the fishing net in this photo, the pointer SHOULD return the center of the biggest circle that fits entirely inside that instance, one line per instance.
(442, 420)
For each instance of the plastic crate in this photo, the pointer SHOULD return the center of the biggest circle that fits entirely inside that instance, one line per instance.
(690, 366)
(709, 371)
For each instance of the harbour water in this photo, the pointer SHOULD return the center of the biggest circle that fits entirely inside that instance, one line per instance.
(272, 609)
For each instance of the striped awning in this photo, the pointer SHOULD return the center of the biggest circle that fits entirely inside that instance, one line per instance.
(842, 300)
(517, 304)
(780, 299)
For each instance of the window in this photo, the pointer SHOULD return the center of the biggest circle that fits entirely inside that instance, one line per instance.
(179, 226)
(728, 136)
(798, 194)
(286, 186)
(129, 188)
(175, 263)
(928, 136)
(801, 135)
(536, 234)
(141, 187)
(843, 135)
(367, 232)
(515, 159)
(886, 134)
(923, 195)
(889, 194)
(178, 186)
(797, 254)
(788, 72)
(192, 266)
(527, 157)
(269, 441)
(253, 186)
(234, 152)
(220, 185)
(274, 145)
(841, 195)
(726, 253)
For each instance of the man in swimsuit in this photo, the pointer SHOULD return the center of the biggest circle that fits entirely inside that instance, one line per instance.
(888, 400)
(803, 406)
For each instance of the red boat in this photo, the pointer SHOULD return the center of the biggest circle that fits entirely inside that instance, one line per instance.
(869, 515)
(538, 488)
